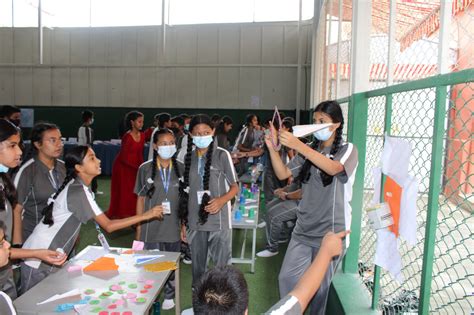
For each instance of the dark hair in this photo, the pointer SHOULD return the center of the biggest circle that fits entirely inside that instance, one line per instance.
(185, 116)
(162, 119)
(7, 110)
(248, 119)
(184, 196)
(7, 190)
(226, 120)
(333, 109)
(3, 227)
(131, 116)
(38, 131)
(215, 118)
(178, 119)
(72, 158)
(87, 115)
(221, 290)
(156, 136)
(287, 124)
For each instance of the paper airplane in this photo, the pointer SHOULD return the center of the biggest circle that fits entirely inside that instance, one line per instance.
(145, 259)
(55, 297)
(304, 130)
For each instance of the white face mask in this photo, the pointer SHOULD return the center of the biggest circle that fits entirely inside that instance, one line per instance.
(202, 142)
(323, 134)
(166, 151)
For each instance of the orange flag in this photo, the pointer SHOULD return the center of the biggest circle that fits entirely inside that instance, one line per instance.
(102, 264)
(392, 194)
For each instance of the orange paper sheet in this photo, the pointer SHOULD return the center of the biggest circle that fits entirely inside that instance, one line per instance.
(393, 195)
(102, 264)
(160, 266)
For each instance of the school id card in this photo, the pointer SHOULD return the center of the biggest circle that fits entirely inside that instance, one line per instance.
(166, 207)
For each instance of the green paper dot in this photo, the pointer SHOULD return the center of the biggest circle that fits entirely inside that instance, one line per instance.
(108, 293)
(89, 291)
(122, 282)
(96, 309)
(132, 286)
(94, 302)
(121, 291)
(140, 300)
(102, 297)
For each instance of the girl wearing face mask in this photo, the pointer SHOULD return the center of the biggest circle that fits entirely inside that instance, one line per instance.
(326, 171)
(158, 184)
(209, 183)
(72, 205)
(10, 157)
(38, 179)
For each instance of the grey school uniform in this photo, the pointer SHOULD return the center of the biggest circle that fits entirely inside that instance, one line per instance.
(322, 209)
(7, 284)
(163, 235)
(35, 183)
(74, 206)
(215, 235)
(289, 305)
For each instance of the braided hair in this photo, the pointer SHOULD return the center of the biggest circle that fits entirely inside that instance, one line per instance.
(73, 157)
(7, 189)
(184, 189)
(156, 136)
(333, 109)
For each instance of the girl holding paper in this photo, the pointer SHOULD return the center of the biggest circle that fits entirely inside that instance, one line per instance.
(70, 206)
(326, 170)
(10, 157)
(209, 183)
(158, 184)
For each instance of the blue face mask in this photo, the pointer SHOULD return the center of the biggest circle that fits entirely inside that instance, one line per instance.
(202, 142)
(166, 151)
(323, 134)
(3, 168)
(186, 127)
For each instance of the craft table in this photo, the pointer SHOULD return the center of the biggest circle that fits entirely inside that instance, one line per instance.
(245, 223)
(64, 281)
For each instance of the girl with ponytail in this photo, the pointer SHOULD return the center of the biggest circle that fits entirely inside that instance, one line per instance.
(10, 157)
(73, 204)
(326, 171)
(38, 179)
(158, 184)
(208, 184)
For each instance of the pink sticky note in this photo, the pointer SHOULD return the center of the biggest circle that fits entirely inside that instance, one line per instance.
(149, 282)
(130, 296)
(120, 302)
(74, 268)
(137, 245)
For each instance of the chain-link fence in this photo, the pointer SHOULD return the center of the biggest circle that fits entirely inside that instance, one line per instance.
(412, 118)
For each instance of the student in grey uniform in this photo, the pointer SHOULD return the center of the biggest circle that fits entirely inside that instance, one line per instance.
(223, 290)
(158, 184)
(6, 304)
(326, 170)
(10, 156)
(72, 205)
(38, 179)
(280, 211)
(209, 183)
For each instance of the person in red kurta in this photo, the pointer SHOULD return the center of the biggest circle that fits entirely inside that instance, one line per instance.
(123, 200)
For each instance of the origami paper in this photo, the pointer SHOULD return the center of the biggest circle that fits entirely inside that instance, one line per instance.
(161, 266)
(55, 297)
(304, 130)
(102, 264)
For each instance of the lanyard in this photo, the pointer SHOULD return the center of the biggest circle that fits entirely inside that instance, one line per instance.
(166, 179)
(201, 169)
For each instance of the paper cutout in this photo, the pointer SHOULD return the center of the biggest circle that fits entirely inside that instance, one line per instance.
(55, 297)
(149, 282)
(127, 313)
(407, 228)
(130, 296)
(94, 302)
(70, 306)
(102, 264)
(143, 291)
(393, 195)
(396, 158)
(140, 300)
(89, 291)
(128, 252)
(104, 313)
(148, 286)
(115, 287)
(120, 302)
(112, 306)
(145, 259)
(138, 245)
(132, 286)
(95, 309)
(92, 253)
(161, 266)
(74, 268)
(387, 255)
(304, 130)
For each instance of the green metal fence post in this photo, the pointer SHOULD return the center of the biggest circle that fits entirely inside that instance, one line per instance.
(357, 134)
(387, 130)
(433, 198)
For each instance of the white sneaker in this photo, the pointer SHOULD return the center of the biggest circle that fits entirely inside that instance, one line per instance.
(99, 192)
(188, 311)
(167, 304)
(262, 225)
(266, 253)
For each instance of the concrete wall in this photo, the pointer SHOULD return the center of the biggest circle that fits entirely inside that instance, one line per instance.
(203, 66)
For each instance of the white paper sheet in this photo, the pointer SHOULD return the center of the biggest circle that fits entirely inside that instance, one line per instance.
(396, 158)
(92, 253)
(407, 225)
(304, 130)
(387, 255)
(55, 297)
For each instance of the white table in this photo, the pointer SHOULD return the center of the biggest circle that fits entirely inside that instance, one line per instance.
(247, 224)
(64, 281)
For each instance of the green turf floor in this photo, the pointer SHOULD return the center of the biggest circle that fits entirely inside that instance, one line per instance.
(263, 284)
